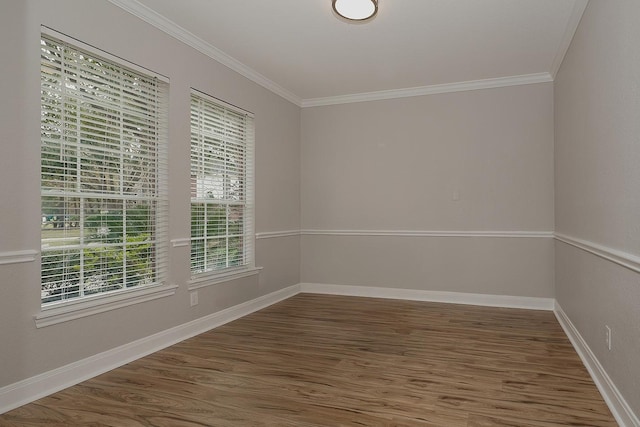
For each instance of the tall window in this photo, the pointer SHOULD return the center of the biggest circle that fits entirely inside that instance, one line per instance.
(222, 139)
(103, 143)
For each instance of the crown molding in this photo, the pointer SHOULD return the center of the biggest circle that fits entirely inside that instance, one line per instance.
(430, 90)
(171, 28)
(572, 25)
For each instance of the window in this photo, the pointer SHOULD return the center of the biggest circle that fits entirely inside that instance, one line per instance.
(103, 172)
(222, 139)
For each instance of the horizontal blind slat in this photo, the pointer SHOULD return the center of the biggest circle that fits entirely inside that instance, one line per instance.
(103, 174)
(220, 151)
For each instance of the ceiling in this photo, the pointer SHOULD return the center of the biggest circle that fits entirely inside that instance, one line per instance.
(300, 50)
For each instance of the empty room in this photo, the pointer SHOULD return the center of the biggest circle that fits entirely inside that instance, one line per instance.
(320, 213)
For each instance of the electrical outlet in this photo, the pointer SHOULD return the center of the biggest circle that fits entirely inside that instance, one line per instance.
(194, 298)
(608, 336)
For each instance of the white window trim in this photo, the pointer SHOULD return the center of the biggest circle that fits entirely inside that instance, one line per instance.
(106, 55)
(204, 280)
(210, 278)
(60, 312)
(66, 310)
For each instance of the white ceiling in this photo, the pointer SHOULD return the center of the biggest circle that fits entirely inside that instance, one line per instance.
(300, 50)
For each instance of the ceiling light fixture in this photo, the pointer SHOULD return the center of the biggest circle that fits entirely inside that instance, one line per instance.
(356, 10)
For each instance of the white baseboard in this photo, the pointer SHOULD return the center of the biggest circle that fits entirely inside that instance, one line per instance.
(26, 391)
(531, 303)
(617, 404)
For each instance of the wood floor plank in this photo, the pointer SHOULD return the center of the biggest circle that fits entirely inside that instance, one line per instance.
(319, 360)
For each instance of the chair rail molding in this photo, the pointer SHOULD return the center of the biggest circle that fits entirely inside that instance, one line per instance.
(17, 257)
(624, 259)
(277, 234)
(429, 233)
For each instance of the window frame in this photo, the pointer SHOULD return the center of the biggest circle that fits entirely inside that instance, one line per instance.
(68, 309)
(214, 276)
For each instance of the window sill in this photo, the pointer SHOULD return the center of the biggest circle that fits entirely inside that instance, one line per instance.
(71, 310)
(213, 279)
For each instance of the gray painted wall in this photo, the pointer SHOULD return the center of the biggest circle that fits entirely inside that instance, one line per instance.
(493, 147)
(597, 168)
(398, 164)
(27, 351)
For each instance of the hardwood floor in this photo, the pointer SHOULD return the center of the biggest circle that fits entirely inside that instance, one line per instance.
(316, 360)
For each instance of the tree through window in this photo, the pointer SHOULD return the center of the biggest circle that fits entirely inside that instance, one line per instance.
(221, 186)
(103, 141)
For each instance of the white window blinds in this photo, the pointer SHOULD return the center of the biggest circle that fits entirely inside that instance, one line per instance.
(222, 182)
(103, 174)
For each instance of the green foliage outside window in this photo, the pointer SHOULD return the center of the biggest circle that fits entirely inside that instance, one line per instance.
(102, 260)
(216, 243)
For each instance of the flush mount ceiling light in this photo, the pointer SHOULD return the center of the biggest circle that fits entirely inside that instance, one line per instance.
(356, 10)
